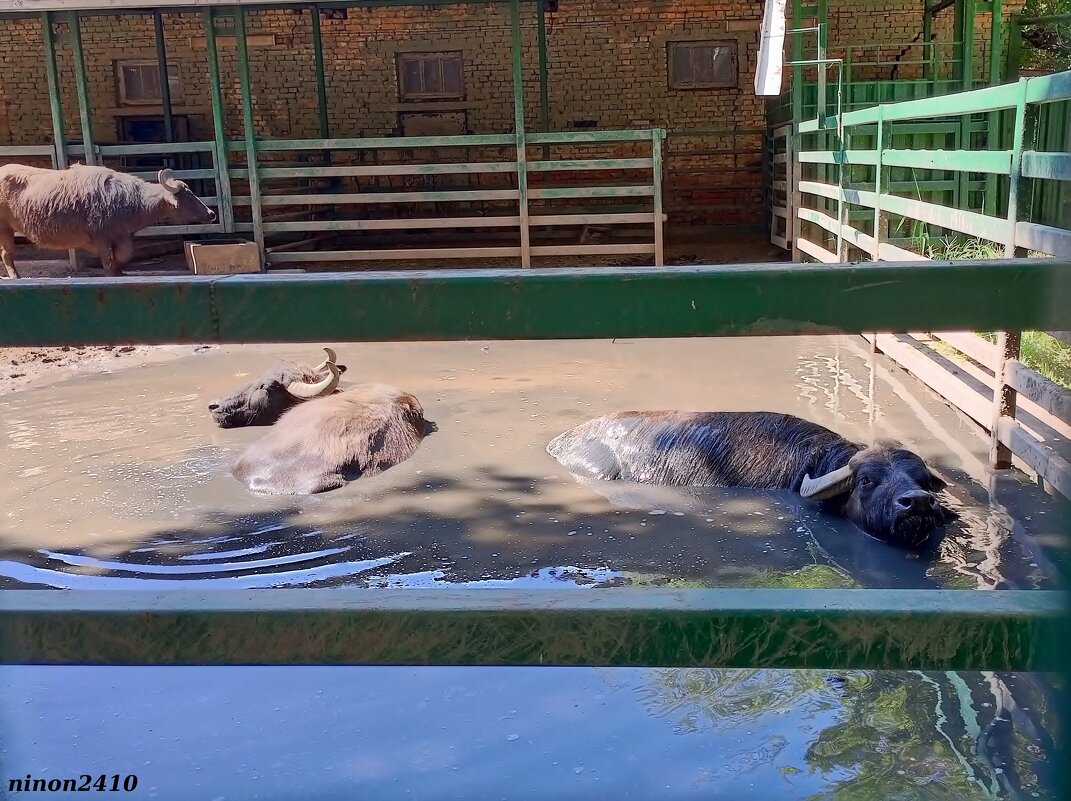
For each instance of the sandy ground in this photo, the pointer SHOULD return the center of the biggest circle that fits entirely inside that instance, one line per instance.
(21, 368)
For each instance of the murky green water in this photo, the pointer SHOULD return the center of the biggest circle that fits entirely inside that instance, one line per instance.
(121, 481)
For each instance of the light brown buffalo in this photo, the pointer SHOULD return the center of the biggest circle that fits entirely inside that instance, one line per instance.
(94, 209)
(321, 444)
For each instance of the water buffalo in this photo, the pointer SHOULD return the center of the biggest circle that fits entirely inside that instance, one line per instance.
(284, 385)
(94, 209)
(320, 445)
(885, 490)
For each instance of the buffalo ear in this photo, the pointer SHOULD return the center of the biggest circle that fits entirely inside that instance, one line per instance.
(936, 483)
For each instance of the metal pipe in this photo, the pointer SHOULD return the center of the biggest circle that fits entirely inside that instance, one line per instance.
(82, 84)
(165, 82)
(248, 128)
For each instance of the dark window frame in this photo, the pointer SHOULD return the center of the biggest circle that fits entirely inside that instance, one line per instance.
(437, 60)
(696, 46)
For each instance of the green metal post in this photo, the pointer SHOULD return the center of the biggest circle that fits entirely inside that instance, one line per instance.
(965, 38)
(222, 153)
(1015, 48)
(657, 138)
(928, 45)
(321, 78)
(165, 84)
(996, 44)
(544, 72)
(793, 196)
(59, 137)
(882, 141)
(518, 117)
(248, 128)
(73, 23)
(55, 103)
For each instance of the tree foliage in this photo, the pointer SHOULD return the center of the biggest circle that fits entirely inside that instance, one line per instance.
(1047, 46)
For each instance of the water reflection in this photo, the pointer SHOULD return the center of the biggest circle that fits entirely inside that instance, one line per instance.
(530, 733)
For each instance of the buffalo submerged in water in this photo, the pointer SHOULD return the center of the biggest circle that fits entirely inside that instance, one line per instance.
(885, 490)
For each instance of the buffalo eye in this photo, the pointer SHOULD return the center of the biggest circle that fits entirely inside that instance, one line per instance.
(865, 483)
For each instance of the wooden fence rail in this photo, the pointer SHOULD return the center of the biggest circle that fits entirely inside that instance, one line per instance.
(860, 186)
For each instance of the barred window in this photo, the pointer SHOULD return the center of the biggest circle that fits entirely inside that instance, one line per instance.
(431, 76)
(702, 65)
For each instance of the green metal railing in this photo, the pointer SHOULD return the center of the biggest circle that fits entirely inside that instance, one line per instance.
(857, 201)
(530, 205)
(1006, 630)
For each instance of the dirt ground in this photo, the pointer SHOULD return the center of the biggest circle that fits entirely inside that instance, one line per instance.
(21, 368)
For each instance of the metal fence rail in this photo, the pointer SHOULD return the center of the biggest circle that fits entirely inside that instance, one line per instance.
(1007, 630)
(861, 196)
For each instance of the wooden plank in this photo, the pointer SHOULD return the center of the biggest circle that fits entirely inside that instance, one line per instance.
(593, 250)
(852, 235)
(971, 223)
(971, 345)
(589, 137)
(1048, 88)
(1049, 166)
(590, 164)
(1046, 462)
(161, 149)
(858, 197)
(506, 221)
(890, 252)
(1050, 396)
(182, 175)
(27, 150)
(560, 193)
(1043, 238)
(817, 251)
(397, 254)
(863, 157)
(446, 196)
(385, 142)
(593, 219)
(180, 230)
(480, 167)
(990, 161)
(934, 375)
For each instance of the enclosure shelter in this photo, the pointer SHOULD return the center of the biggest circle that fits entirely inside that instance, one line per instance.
(343, 132)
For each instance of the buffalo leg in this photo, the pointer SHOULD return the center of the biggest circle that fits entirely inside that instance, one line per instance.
(7, 251)
(124, 252)
(107, 259)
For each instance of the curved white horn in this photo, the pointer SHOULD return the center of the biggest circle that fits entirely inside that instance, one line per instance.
(167, 181)
(827, 486)
(331, 359)
(305, 391)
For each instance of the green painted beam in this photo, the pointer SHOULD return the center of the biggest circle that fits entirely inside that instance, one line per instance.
(322, 111)
(727, 628)
(82, 87)
(249, 127)
(221, 155)
(1047, 166)
(991, 161)
(55, 100)
(562, 303)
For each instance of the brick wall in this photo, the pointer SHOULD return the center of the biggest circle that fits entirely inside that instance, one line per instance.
(607, 65)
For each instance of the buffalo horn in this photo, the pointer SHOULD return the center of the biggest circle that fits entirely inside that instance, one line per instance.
(331, 359)
(168, 182)
(827, 486)
(303, 390)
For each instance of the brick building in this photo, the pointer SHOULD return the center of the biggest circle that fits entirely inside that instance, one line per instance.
(683, 65)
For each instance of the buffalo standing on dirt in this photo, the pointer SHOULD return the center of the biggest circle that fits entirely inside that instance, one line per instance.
(283, 386)
(883, 489)
(320, 445)
(94, 209)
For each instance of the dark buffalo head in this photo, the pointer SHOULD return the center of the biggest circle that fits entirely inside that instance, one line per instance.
(286, 384)
(189, 209)
(886, 491)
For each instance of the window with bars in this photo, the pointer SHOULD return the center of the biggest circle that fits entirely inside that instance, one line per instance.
(702, 65)
(139, 83)
(431, 76)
